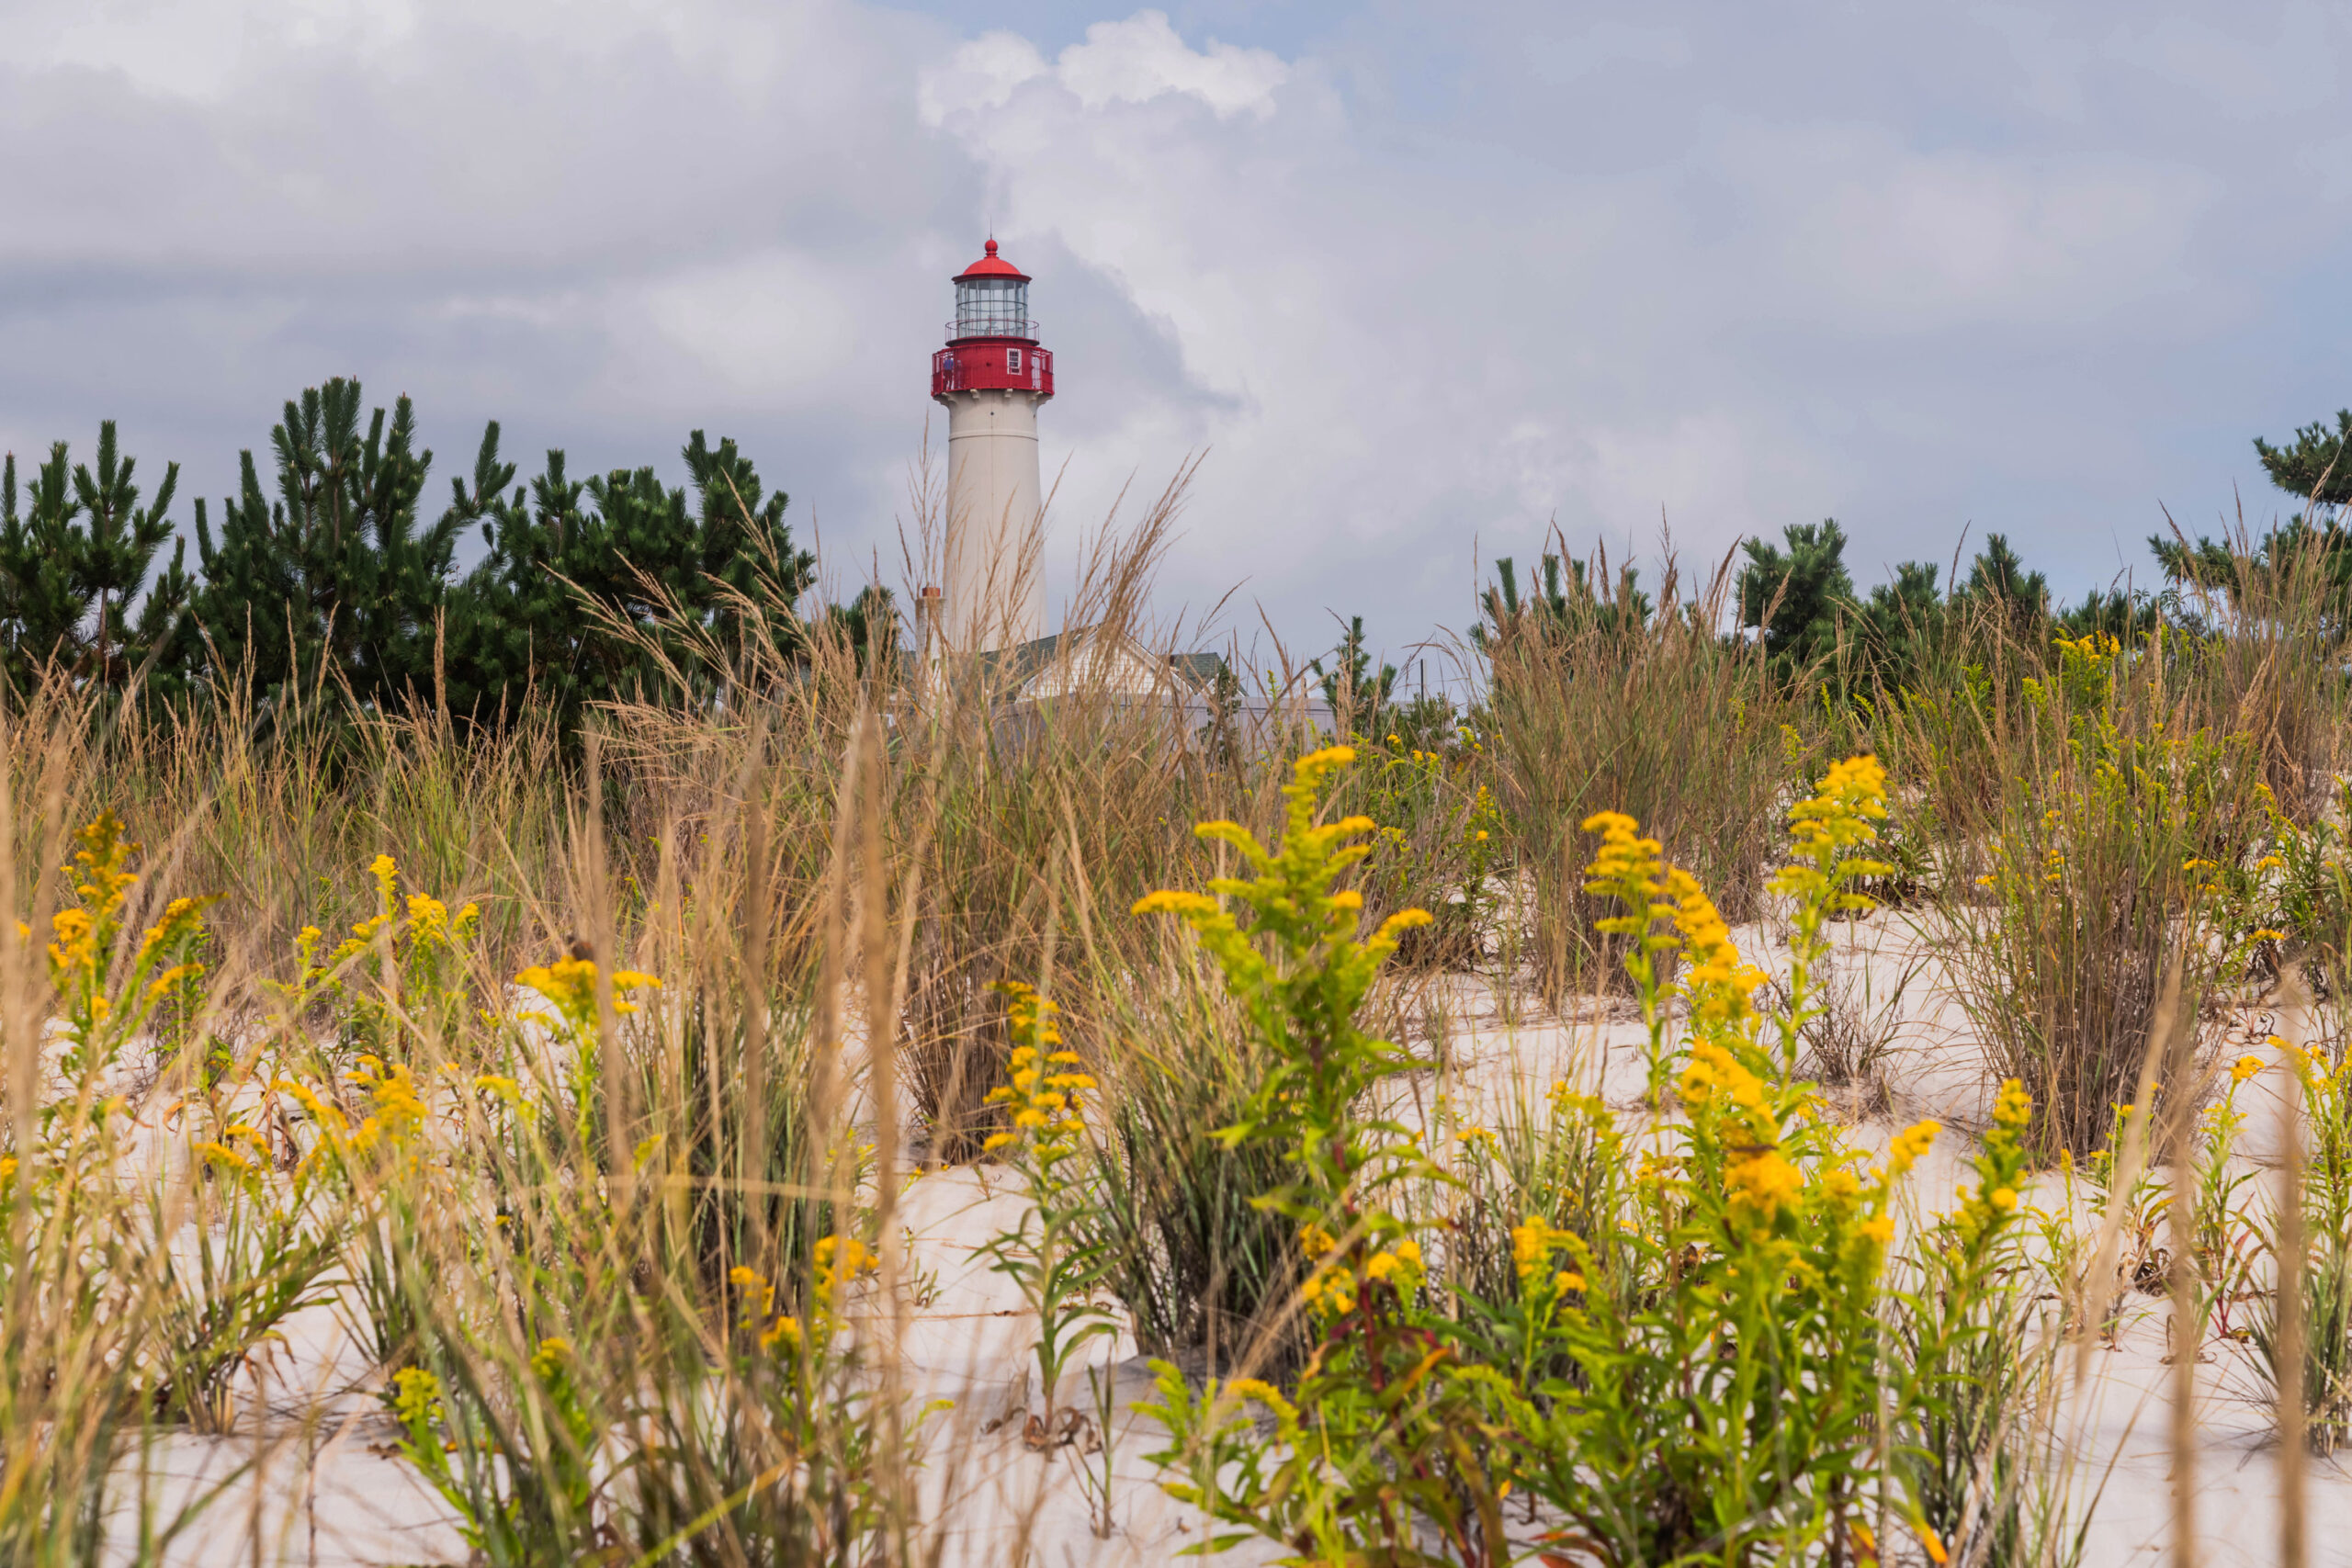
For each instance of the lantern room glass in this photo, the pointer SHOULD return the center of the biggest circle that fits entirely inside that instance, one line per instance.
(991, 306)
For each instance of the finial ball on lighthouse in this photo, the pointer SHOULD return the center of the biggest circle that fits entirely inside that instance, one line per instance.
(991, 377)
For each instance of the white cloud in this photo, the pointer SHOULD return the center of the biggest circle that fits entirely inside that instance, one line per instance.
(1135, 61)
(1411, 279)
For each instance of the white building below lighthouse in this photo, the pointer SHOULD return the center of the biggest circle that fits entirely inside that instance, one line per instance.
(991, 378)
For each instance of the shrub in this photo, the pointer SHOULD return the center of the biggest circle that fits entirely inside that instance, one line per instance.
(2120, 853)
(1662, 717)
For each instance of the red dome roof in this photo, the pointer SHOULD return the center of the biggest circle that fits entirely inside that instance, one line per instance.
(992, 265)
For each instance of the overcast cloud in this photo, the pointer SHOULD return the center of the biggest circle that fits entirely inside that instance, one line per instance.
(1418, 279)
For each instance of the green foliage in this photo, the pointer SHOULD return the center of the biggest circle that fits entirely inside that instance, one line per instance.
(332, 582)
(1898, 627)
(2258, 575)
(618, 587)
(2310, 467)
(1695, 1361)
(1797, 597)
(76, 560)
(1358, 695)
(1563, 605)
(326, 575)
(1998, 585)
(1054, 1259)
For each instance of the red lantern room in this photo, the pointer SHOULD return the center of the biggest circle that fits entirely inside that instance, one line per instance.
(992, 344)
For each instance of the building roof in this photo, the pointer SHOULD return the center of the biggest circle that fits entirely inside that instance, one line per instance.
(1028, 661)
(992, 265)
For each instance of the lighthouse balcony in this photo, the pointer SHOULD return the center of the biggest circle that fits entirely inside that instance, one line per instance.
(992, 365)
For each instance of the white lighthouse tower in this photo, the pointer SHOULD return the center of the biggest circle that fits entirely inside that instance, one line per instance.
(991, 377)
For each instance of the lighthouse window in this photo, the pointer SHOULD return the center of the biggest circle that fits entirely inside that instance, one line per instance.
(991, 306)
(1013, 361)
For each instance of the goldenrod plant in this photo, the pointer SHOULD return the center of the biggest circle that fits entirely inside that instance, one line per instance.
(2228, 1235)
(397, 978)
(521, 1476)
(1050, 1254)
(1385, 1448)
(1699, 1361)
(103, 1004)
(1727, 1329)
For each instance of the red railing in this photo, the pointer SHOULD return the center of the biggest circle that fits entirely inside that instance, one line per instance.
(993, 326)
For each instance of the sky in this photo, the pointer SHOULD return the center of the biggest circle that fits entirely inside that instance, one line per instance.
(1414, 283)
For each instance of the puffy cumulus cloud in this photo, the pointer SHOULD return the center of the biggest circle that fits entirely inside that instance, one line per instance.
(1132, 61)
(1418, 282)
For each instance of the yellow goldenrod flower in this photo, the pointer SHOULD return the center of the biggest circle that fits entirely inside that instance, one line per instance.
(1910, 1146)
(416, 1397)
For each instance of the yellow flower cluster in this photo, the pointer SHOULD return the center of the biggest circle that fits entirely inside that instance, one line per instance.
(2001, 1165)
(416, 1397)
(1632, 869)
(552, 1359)
(1718, 982)
(2092, 645)
(1043, 1088)
(1715, 1077)
(1764, 1181)
(1757, 1176)
(1307, 852)
(1333, 1287)
(777, 1331)
(183, 921)
(839, 1260)
(1910, 1146)
(1842, 814)
(1533, 1242)
(399, 1110)
(571, 985)
(387, 875)
(98, 867)
(99, 1014)
(101, 881)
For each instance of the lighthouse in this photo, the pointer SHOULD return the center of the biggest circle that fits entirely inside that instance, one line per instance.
(991, 378)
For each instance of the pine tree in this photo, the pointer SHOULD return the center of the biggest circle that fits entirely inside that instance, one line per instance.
(331, 581)
(2316, 470)
(1566, 604)
(1797, 598)
(2312, 467)
(616, 587)
(868, 626)
(1998, 584)
(1899, 624)
(76, 560)
(1357, 694)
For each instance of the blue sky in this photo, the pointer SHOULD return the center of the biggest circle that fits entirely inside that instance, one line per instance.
(1417, 279)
